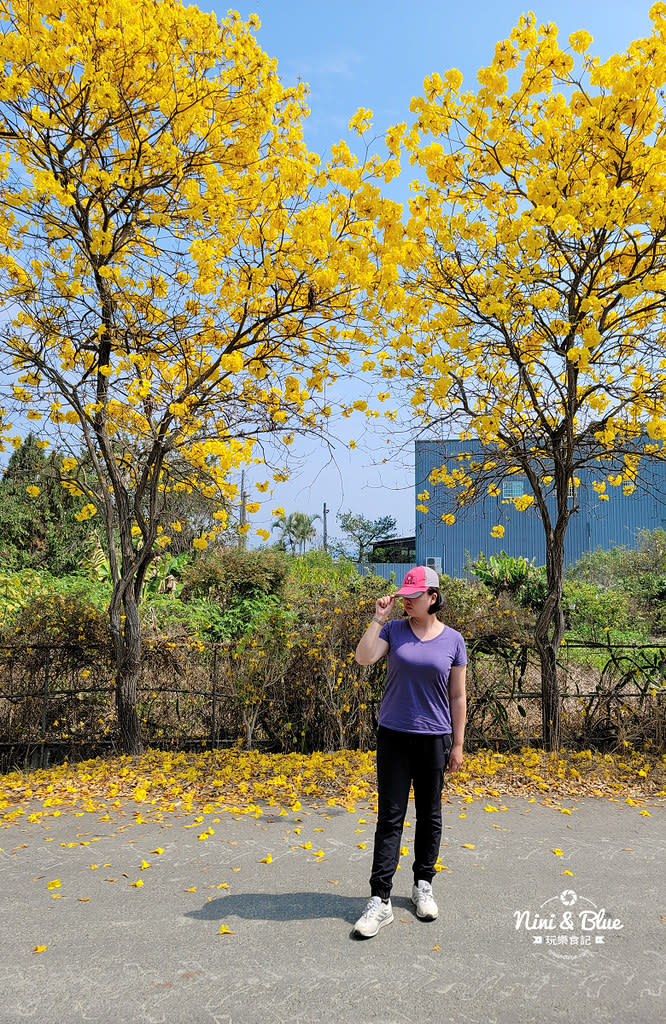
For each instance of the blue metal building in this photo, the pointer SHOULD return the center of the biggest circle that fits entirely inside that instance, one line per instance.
(597, 523)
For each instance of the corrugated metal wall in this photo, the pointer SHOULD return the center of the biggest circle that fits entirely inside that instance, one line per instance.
(385, 569)
(597, 524)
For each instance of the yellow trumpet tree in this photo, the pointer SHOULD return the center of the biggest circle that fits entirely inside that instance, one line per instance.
(531, 317)
(180, 276)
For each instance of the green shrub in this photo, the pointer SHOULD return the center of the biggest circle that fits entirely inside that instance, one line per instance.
(482, 617)
(638, 571)
(518, 577)
(17, 588)
(318, 569)
(170, 617)
(69, 621)
(84, 589)
(591, 611)
(230, 575)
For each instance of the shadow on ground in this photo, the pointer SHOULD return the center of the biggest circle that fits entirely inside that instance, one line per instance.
(288, 906)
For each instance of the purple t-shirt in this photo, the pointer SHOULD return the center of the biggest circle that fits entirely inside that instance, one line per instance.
(416, 696)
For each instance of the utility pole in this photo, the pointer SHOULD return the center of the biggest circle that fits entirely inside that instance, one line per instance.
(243, 514)
(325, 530)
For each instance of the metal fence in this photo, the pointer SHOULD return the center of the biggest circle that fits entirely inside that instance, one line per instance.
(58, 701)
(609, 693)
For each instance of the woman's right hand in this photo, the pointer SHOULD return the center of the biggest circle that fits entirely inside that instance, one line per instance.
(371, 647)
(383, 606)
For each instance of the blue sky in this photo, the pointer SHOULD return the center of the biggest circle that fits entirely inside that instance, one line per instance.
(375, 54)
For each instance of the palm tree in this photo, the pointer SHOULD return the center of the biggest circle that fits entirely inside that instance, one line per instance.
(304, 529)
(286, 526)
(296, 529)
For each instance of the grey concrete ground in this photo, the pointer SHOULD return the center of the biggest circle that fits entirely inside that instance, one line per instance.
(121, 953)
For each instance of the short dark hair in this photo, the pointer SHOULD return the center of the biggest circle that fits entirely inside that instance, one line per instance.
(437, 605)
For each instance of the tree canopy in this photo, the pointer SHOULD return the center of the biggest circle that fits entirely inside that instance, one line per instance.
(181, 275)
(38, 525)
(364, 531)
(531, 314)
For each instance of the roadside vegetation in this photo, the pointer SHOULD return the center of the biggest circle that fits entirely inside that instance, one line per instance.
(256, 648)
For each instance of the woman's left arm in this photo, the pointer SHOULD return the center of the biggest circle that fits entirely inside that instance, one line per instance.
(458, 706)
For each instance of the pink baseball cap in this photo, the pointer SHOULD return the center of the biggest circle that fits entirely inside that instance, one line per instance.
(417, 581)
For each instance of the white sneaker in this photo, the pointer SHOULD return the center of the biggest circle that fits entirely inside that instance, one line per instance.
(426, 908)
(374, 917)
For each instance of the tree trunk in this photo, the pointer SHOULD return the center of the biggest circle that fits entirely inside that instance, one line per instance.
(548, 636)
(550, 696)
(127, 646)
(250, 720)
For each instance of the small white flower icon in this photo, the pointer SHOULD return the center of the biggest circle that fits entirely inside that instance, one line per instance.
(568, 897)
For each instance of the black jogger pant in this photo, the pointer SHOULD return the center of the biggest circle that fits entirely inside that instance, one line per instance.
(404, 758)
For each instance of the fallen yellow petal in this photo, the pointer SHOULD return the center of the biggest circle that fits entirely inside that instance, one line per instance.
(145, 864)
(39, 949)
(192, 889)
(137, 884)
(468, 846)
(225, 930)
(267, 859)
(158, 850)
(55, 884)
(557, 852)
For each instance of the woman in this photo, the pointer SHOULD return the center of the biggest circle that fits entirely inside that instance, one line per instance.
(420, 734)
